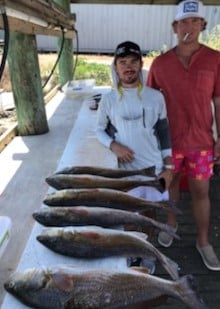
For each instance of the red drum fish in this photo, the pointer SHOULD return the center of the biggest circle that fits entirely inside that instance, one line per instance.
(107, 172)
(105, 217)
(103, 198)
(95, 242)
(74, 288)
(69, 181)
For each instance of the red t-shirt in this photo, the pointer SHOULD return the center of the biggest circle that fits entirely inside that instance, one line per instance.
(188, 94)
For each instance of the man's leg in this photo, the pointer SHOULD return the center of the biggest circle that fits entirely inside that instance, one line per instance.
(199, 190)
(201, 210)
(174, 193)
(164, 238)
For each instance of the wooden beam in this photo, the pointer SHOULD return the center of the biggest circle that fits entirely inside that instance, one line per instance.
(22, 26)
(153, 2)
(7, 136)
(44, 17)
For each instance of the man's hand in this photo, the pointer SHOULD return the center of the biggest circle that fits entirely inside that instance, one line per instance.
(167, 175)
(123, 153)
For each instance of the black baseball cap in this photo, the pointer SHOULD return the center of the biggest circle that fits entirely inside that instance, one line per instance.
(127, 48)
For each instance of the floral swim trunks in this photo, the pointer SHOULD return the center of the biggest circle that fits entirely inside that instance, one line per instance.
(195, 164)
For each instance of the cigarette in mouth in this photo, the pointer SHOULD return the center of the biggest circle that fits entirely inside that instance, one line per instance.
(186, 36)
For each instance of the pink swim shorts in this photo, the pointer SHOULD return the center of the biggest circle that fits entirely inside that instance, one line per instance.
(195, 164)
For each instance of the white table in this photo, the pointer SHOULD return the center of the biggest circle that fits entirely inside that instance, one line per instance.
(82, 148)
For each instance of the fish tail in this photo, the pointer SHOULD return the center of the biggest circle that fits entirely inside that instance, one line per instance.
(171, 267)
(187, 289)
(160, 185)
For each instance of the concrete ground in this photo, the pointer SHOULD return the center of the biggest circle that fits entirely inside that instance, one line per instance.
(24, 165)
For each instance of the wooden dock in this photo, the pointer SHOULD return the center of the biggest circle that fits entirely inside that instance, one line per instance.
(82, 148)
(185, 254)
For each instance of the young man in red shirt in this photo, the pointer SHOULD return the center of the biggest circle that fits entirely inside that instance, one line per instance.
(189, 77)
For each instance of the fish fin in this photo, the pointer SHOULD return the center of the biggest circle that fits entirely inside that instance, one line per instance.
(68, 304)
(162, 186)
(140, 269)
(189, 292)
(171, 267)
(138, 234)
(63, 281)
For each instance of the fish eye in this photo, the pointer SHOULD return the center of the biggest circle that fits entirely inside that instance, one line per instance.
(11, 284)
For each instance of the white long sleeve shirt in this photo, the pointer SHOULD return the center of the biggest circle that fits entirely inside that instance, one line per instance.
(134, 116)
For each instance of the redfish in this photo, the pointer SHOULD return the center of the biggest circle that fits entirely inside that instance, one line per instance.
(69, 181)
(107, 172)
(105, 217)
(103, 198)
(74, 288)
(95, 242)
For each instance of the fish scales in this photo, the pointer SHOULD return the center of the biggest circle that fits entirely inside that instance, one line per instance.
(73, 288)
(105, 217)
(95, 242)
(107, 172)
(67, 181)
(104, 198)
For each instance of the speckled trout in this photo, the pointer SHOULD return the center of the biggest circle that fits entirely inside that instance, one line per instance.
(95, 242)
(69, 181)
(100, 216)
(103, 198)
(107, 172)
(74, 288)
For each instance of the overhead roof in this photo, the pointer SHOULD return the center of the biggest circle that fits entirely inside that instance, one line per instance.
(165, 2)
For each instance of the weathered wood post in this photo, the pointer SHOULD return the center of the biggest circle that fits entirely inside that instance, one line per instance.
(66, 59)
(26, 84)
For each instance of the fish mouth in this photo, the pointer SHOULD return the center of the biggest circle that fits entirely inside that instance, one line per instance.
(9, 287)
(49, 181)
(41, 239)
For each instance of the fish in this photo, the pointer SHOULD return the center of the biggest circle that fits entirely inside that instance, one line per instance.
(69, 181)
(104, 198)
(92, 242)
(104, 217)
(107, 172)
(66, 287)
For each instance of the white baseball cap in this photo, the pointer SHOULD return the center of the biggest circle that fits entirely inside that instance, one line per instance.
(190, 8)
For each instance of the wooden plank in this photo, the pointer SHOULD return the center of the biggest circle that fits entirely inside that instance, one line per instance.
(46, 14)
(153, 2)
(27, 88)
(65, 64)
(183, 251)
(30, 28)
(7, 136)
